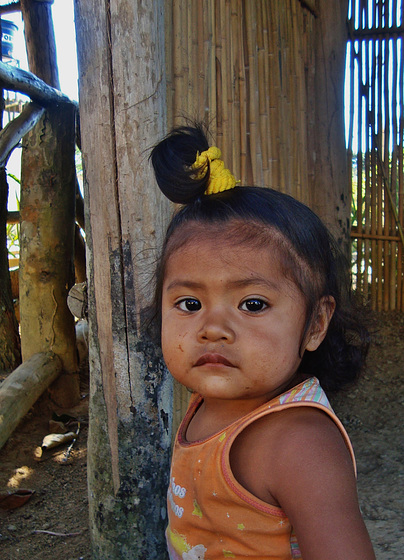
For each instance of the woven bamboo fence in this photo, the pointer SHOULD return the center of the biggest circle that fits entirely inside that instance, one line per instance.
(240, 67)
(375, 149)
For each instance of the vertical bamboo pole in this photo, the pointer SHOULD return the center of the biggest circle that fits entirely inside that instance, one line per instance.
(177, 61)
(355, 196)
(385, 211)
(253, 107)
(363, 166)
(264, 87)
(236, 59)
(363, 153)
(200, 62)
(291, 26)
(189, 64)
(400, 255)
(245, 158)
(169, 44)
(393, 176)
(372, 178)
(378, 145)
(369, 219)
(262, 33)
(219, 75)
(210, 54)
(283, 114)
(230, 76)
(302, 112)
(273, 94)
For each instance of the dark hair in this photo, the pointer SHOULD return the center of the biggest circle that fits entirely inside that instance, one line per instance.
(309, 255)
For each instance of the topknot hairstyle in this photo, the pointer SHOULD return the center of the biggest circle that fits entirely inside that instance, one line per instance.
(309, 255)
(172, 159)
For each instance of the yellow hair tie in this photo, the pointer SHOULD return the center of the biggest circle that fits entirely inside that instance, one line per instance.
(220, 178)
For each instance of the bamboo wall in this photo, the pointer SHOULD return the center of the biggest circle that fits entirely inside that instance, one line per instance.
(241, 67)
(375, 80)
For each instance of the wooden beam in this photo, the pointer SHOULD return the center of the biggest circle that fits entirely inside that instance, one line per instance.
(375, 32)
(10, 8)
(21, 389)
(360, 235)
(16, 79)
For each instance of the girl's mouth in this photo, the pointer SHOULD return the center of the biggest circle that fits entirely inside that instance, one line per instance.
(213, 359)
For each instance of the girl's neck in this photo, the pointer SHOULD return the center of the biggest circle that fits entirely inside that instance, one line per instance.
(214, 415)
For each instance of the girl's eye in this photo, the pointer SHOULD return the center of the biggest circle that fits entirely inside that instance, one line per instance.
(189, 304)
(253, 305)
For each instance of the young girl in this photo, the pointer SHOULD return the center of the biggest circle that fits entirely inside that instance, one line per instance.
(253, 303)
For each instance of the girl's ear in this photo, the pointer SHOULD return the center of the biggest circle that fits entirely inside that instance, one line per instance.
(320, 323)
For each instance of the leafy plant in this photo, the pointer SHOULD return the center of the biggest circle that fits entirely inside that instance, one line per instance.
(13, 230)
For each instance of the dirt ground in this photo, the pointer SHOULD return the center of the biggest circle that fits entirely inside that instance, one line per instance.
(53, 522)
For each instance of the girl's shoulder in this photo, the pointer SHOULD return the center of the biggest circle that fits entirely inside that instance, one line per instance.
(280, 446)
(298, 460)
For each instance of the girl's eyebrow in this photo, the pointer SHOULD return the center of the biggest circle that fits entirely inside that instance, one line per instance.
(185, 284)
(242, 283)
(255, 281)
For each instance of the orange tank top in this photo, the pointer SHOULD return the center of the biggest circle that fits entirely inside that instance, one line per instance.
(211, 516)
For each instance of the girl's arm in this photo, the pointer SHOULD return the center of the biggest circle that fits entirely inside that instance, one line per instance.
(297, 459)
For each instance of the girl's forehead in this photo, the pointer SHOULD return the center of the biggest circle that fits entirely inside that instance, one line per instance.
(229, 245)
(230, 235)
(234, 237)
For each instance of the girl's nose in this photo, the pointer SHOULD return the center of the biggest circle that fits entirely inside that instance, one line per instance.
(216, 328)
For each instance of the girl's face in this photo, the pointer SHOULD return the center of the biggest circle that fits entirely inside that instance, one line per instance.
(232, 323)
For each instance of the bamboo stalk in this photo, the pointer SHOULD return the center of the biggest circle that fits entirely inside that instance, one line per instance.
(372, 184)
(262, 45)
(199, 61)
(210, 54)
(385, 210)
(250, 41)
(177, 61)
(358, 235)
(235, 87)
(229, 83)
(274, 97)
(219, 76)
(393, 181)
(169, 45)
(400, 255)
(379, 185)
(191, 61)
(361, 249)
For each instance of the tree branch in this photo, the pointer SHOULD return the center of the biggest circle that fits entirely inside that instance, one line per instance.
(10, 8)
(17, 128)
(16, 79)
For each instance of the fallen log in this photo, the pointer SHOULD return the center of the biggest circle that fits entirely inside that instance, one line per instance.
(21, 389)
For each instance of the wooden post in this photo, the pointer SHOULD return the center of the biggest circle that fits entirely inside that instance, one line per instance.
(330, 183)
(122, 111)
(20, 390)
(48, 188)
(46, 246)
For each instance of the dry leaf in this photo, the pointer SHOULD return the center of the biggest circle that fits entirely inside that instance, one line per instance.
(13, 500)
